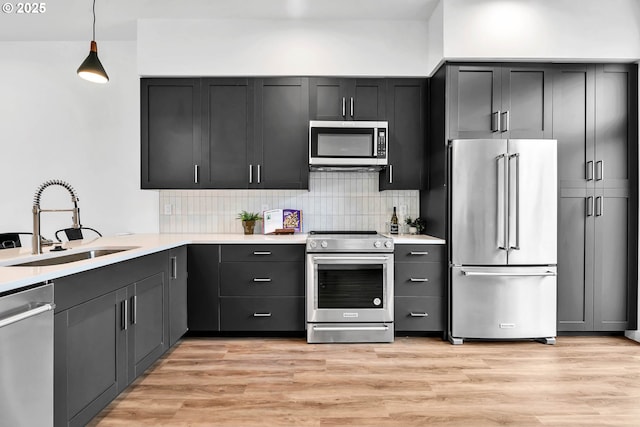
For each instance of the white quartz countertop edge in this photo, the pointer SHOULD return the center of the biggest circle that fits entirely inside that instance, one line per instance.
(12, 278)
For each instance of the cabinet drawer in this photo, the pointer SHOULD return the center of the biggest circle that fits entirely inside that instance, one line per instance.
(262, 314)
(419, 313)
(269, 253)
(262, 279)
(419, 253)
(418, 279)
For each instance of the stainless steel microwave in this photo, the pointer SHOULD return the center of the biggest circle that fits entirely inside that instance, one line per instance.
(355, 145)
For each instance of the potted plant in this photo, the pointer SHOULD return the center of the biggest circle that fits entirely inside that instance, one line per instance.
(248, 221)
(416, 227)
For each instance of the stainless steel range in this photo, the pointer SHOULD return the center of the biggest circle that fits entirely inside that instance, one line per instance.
(349, 287)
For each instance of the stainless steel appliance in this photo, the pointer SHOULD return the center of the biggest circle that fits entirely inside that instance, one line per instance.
(503, 228)
(351, 145)
(26, 357)
(349, 292)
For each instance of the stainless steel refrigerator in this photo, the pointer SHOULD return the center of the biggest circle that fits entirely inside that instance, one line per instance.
(503, 231)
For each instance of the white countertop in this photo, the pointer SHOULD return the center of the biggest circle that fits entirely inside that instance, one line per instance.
(16, 277)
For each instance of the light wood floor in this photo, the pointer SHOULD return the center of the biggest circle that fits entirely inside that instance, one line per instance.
(581, 381)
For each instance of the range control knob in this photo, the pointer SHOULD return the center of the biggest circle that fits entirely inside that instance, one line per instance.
(313, 244)
(377, 244)
(388, 244)
(324, 244)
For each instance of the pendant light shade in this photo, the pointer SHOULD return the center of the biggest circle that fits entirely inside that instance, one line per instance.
(91, 69)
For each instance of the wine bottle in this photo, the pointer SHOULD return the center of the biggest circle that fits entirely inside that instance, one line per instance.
(394, 222)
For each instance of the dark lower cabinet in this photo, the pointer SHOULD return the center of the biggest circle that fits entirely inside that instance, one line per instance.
(419, 283)
(262, 314)
(111, 324)
(178, 294)
(202, 289)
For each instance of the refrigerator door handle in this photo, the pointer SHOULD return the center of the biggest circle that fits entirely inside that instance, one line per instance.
(501, 160)
(502, 273)
(517, 202)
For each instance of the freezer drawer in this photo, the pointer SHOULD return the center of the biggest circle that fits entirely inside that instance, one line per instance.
(503, 302)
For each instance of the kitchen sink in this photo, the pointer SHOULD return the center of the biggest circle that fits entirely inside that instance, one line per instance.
(72, 257)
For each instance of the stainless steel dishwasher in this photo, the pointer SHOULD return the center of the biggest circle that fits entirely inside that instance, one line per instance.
(26, 357)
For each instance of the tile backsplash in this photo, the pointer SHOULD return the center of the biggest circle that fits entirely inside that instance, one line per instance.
(335, 201)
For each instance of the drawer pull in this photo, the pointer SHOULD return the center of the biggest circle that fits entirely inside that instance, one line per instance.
(258, 279)
(418, 253)
(412, 314)
(262, 253)
(261, 314)
(418, 280)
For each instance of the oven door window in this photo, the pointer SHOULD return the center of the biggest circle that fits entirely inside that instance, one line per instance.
(351, 286)
(348, 143)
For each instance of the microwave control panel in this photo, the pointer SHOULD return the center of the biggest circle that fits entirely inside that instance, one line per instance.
(382, 144)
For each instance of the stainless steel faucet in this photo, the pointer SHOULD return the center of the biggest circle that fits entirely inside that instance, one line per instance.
(36, 243)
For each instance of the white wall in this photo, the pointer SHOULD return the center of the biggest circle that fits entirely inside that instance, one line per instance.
(55, 125)
(574, 30)
(282, 47)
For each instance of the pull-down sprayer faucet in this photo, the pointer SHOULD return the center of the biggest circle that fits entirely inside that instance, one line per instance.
(36, 245)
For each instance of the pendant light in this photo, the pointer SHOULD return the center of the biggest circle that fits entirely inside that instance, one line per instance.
(91, 69)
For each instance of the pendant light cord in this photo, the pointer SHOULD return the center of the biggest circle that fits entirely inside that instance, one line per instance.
(94, 20)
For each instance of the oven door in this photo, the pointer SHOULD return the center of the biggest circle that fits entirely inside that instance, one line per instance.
(350, 287)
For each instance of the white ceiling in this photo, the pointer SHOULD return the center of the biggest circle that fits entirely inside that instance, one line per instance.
(116, 19)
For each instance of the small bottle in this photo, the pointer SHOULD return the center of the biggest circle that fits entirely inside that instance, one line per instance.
(394, 222)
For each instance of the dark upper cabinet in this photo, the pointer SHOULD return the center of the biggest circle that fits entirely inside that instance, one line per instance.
(495, 101)
(407, 115)
(281, 142)
(227, 132)
(595, 123)
(347, 99)
(170, 133)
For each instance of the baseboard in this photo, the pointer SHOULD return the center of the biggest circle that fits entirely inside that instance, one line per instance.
(632, 335)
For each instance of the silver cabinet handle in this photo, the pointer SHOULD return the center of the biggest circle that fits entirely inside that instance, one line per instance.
(589, 171)
(250, 174)
(196, 170)
(418, 280)
(412, 314)
(344, 107)
(502, 243)
(390, 174)
(351, 107)
(589, 206)
(262, 252)
(350, 328)
(134, 309)
(259, 175)
(504, 121)
(599, 170)
(125, 316)
(261, 314)
(517, 201)
(599, 206)
(506, 274)
(258, 279)
(350, 258)
(418, 253)
(40, 308)
(174, 267)
(495, 121)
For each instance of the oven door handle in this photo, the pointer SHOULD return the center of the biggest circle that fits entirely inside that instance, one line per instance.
(350, 328)
(351, 258)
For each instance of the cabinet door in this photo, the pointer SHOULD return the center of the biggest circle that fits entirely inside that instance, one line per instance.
(573, 124)
(227, 132)
(282, 133)
(202, 288)
(613, 247)
(474, 101)
(526, 102)
(90, 368)
(177, 294)
(406, 107)
(170, 133)
(366, 99)
(148, 336)
(576, 216)
(327, 99)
